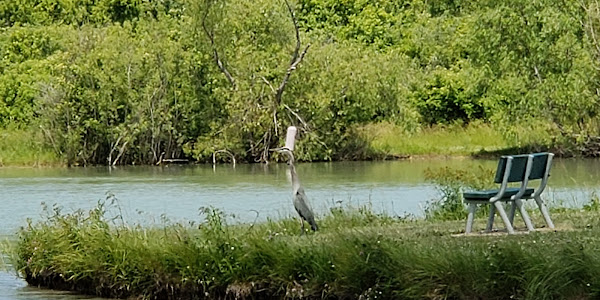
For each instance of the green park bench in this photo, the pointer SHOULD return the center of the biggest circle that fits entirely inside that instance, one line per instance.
(513, 169)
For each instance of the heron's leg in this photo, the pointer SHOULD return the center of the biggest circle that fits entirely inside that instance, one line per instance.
(301, 226)
(490, 223)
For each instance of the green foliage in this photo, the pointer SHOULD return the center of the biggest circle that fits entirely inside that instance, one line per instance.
(126, 95)
(254, 42)
(99, 74)
(333, 83)
(454, 139)
(24, 66)
(451, 183)
(594, 204)
(369, 22)
(25, 147)
(23, 43)
(79, 12)
(449, 96)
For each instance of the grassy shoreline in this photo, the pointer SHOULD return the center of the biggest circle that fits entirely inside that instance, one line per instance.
(27, 148)
(356, 254)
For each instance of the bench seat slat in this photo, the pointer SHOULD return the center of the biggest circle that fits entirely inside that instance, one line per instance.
(487, 194)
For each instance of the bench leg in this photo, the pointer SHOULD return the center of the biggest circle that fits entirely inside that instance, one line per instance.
(544, 211)
(490, 222)
(504, 217)
(470, 216)
(524, 214)
(511, 215)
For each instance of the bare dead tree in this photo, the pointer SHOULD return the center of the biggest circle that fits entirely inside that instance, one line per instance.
(265, 143)
(296, 57)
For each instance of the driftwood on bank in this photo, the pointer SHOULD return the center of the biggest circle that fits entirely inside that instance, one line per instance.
(214, 156)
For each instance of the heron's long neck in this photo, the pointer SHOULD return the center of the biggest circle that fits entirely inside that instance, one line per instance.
(295, 179)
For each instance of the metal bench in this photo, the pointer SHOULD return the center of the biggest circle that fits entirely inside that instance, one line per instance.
(512, 169)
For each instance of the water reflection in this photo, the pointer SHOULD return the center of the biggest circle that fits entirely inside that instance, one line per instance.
(146, 193)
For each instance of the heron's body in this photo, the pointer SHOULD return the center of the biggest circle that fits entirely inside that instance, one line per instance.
(299, 197)
(301, 203)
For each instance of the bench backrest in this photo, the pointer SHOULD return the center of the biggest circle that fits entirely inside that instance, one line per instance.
(519, 165)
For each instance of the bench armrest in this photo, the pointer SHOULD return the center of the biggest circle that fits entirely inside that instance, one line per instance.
(525, 179)
(504, 184)
(542, 186)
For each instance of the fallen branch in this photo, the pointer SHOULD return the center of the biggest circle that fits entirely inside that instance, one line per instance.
(304, 124)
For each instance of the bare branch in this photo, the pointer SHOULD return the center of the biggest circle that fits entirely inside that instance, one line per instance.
(297, 49)
(275, 124)
(590, 25)
(113, 148)
(49, 136)
(304, 124)
(264, 142)
(268, 83)
(536, 72)
(256, 218)
(296, 57)
(211, 37)
(121, 151)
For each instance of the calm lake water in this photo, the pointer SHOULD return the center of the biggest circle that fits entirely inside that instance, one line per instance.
(148, 195)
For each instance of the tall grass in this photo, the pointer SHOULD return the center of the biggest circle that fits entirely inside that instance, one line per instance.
(356, 254)
(451, 183)
(454, 139)
(25, 147)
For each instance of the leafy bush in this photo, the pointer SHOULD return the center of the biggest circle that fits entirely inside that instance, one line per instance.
(448, 96)
(451, 183)
(126, 96)
(79, 12)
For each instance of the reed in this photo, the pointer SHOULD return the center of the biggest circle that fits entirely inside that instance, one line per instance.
(356, 254)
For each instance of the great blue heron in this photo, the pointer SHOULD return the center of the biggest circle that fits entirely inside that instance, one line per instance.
(300, 200)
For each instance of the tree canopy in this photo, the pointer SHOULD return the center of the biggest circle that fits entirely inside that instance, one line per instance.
(134, 81)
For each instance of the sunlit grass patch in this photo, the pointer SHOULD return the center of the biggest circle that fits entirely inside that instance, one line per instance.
(455, 139)
(25, 147)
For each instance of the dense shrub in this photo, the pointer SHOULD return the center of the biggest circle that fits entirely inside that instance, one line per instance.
(126, 96)
(79, 12)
